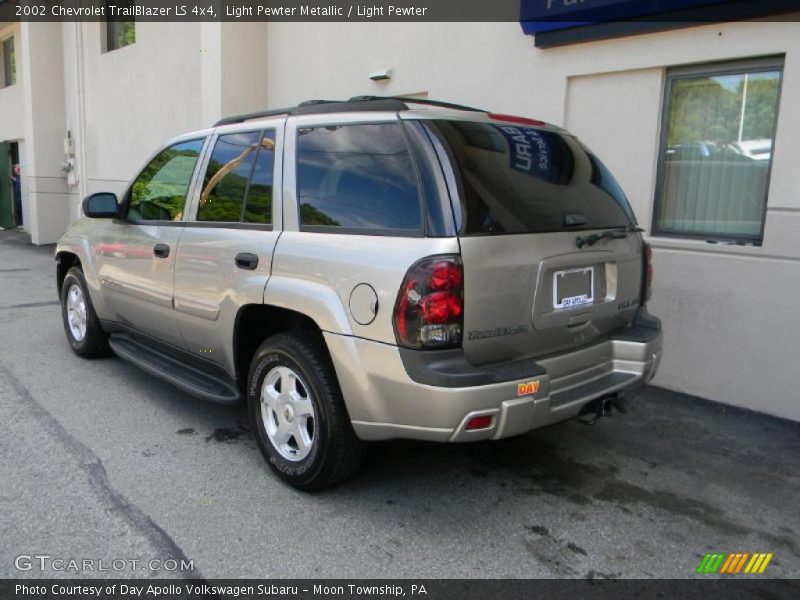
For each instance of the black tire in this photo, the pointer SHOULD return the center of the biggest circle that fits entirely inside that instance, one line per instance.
(94, 343)
(335, 453)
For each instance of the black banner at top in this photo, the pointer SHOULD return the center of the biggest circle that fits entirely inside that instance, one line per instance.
(372, 589)
(535, 15)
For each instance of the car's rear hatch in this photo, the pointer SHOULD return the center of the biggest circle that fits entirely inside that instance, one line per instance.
(529, 200)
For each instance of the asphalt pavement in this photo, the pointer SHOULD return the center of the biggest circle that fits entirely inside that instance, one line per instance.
(101, 462)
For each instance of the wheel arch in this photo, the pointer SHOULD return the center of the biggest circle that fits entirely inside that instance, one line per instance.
(65, 260)
(75, 251)
(256, 322)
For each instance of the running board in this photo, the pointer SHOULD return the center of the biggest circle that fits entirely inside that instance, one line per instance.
(190, 379)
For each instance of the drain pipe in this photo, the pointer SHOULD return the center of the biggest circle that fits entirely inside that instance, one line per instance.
(80, 108)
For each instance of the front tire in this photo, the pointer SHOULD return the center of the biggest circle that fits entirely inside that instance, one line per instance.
(81, 324)
(298, 413)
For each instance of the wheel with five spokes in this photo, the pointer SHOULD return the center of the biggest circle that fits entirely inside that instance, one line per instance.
(298, 413)
(287, 413)
(84, 333)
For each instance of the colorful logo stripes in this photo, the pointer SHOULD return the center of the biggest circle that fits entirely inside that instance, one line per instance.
(734, 563)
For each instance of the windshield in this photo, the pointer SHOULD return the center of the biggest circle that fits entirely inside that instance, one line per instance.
(518, 179)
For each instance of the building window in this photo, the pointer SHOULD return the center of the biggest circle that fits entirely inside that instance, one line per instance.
(120, 30)
(717, 142)
(9, 62)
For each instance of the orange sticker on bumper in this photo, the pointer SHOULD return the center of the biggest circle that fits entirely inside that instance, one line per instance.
(526, 389)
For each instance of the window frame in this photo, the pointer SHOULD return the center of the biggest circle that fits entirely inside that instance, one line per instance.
(190, 190)
(9, 79)
(419, 232)
(733, 67)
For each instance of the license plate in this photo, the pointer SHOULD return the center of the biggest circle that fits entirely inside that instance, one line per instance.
(573, 287)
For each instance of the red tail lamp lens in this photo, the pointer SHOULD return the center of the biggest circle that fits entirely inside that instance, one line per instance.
(446, 276)
(428, 312)
(441, 307)
(481, 422)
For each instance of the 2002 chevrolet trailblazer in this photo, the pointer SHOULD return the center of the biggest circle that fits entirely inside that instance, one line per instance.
(371, 269)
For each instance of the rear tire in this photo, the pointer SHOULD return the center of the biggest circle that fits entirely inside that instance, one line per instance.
(81, 324)
(298, 413)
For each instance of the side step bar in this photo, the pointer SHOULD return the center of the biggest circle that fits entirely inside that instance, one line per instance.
(190, 379)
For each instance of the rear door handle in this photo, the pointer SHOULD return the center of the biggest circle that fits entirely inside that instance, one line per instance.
(246, 260)
(161, 250)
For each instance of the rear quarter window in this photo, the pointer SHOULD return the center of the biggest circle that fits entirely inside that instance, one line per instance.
(518, 179)
(357, 177)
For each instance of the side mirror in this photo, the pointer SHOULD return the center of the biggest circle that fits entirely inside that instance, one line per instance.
(102, 205)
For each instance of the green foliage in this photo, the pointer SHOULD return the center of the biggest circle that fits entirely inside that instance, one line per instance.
(121, 34)
(259, 204)
(705, 109)
(127, 33)
(160, 190)
(225, 201)
(309, 215)
(9, 62)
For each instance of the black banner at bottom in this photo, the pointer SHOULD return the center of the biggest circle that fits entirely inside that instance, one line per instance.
(374, 589)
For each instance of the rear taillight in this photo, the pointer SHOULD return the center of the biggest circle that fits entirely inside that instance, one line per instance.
(647, 273)
(430, 305)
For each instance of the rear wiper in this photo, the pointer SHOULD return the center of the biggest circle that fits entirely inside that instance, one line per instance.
(616, 233)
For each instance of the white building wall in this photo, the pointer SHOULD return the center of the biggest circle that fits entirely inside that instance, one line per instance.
(12, 109)
(176, 77)
(244, 70)
(119, 106)
(45, 195)
(11, 97)
(135, 98)
(730, 326)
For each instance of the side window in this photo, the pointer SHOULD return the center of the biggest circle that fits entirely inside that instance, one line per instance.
(159, 192)
(259, 197)
(238, 181)
(357, 176)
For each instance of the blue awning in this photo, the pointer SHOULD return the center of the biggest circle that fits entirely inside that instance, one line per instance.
(538, 16)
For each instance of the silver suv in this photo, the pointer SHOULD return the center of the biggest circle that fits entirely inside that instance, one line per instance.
(366, 270)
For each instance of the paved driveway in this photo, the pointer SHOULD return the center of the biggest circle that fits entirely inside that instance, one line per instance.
(100, 461)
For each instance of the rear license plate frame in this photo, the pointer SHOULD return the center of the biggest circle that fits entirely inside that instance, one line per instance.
(576, 300)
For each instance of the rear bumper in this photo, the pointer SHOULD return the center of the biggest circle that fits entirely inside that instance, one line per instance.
(389, 397)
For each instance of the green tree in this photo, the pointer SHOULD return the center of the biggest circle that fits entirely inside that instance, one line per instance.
(704, 108)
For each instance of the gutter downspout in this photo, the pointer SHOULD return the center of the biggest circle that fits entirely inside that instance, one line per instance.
(81, 116)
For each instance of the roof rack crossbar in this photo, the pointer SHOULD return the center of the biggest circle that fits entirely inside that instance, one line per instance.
(315, 102)
(425, 101)
(250, 116)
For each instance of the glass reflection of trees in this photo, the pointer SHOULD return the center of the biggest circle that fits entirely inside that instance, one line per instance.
(238, 158)
(159, 192)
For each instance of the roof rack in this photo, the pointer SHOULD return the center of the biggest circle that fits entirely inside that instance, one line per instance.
(354, 104)
(425, 101)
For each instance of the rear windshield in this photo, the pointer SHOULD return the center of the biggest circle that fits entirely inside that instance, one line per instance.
(517, 179)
